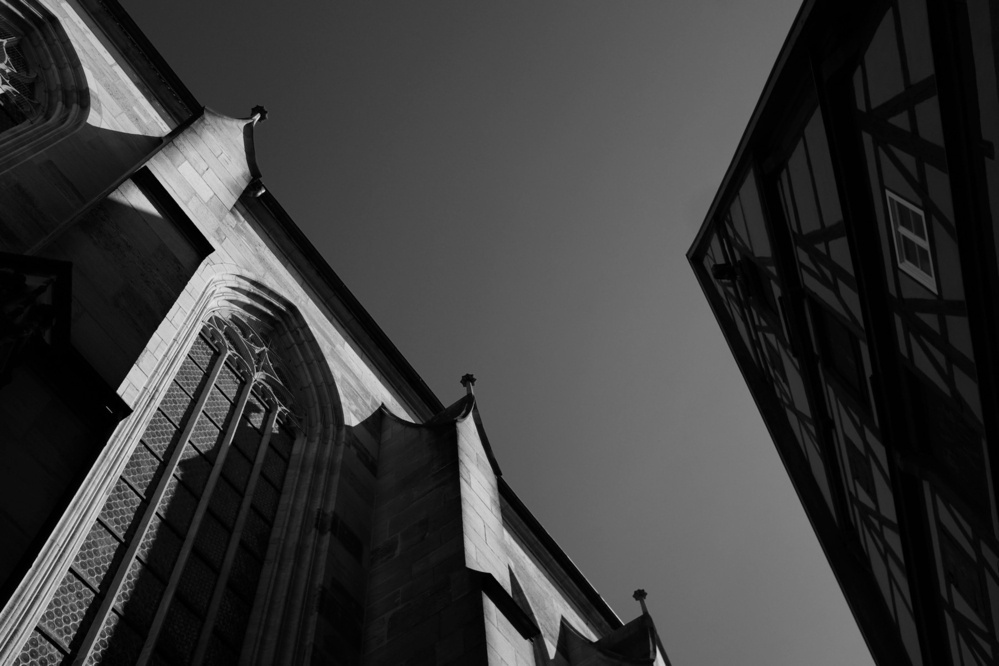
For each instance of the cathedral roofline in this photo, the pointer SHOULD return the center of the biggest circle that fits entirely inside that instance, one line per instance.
(459, 411)
(144, 62)
(559, 555)
(351, 314)
(153, 75)
(462, 409)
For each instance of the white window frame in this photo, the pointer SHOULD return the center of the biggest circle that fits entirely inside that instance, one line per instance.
(912, 269)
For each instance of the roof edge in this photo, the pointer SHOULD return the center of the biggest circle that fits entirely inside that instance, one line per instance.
(154, 74)
(571, 570)
(734, 166)
(380, 350)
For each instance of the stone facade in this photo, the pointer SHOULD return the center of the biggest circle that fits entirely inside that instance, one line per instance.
(211, 452)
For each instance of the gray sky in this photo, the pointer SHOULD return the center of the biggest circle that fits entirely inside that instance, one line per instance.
(509, 188)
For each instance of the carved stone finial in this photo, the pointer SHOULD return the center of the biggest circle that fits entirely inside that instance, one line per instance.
(640, 596)
(259, 114)
(468, 381)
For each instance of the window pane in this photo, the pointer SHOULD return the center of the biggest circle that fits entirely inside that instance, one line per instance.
(924, 261)
(839, 351)
(903, 215)
(909, 251)
(917, 224)
(63, 616)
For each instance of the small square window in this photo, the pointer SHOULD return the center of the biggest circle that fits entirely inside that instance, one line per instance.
(912, 243)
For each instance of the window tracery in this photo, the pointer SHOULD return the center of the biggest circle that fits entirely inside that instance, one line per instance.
(43, 89)
(17, 95)
(170, 567)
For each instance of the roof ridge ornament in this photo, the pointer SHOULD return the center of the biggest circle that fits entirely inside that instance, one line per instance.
(468, 381)
(640, 596)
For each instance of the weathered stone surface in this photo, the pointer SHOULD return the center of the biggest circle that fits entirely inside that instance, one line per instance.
(383, 535)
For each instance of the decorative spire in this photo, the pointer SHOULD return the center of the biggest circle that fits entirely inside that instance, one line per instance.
(258, 113)
(639, 596)
(468, 381)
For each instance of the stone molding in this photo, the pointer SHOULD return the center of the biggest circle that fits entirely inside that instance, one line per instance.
(65, 95)
(291, 564)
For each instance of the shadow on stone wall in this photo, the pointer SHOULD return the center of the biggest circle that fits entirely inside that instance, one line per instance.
(206, 557)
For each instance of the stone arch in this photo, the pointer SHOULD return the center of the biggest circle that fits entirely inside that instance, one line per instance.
(296, 568)
(289, 569)
(55, 78)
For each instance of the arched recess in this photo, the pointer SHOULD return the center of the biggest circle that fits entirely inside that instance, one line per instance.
(277, 628)
(41, 77)
(261, 337)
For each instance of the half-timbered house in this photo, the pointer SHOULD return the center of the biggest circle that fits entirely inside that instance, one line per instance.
(850, 259)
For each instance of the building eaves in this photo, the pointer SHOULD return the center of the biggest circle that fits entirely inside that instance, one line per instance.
(792, 43)
(148, 70)
(558, 555)
(375, 344)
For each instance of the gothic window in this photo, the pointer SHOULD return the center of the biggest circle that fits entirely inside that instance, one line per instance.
(43, 89)
(912, 244)
(18, 102)
(170, 568)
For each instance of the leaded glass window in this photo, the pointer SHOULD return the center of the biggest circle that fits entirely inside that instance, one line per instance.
(170, 568)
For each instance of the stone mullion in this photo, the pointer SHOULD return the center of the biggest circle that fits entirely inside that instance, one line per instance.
(231, 549)
(192, 532)
(132, 547)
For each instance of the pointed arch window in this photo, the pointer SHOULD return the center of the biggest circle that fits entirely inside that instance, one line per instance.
(43, 89)
(170, 568)
(18, 101)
